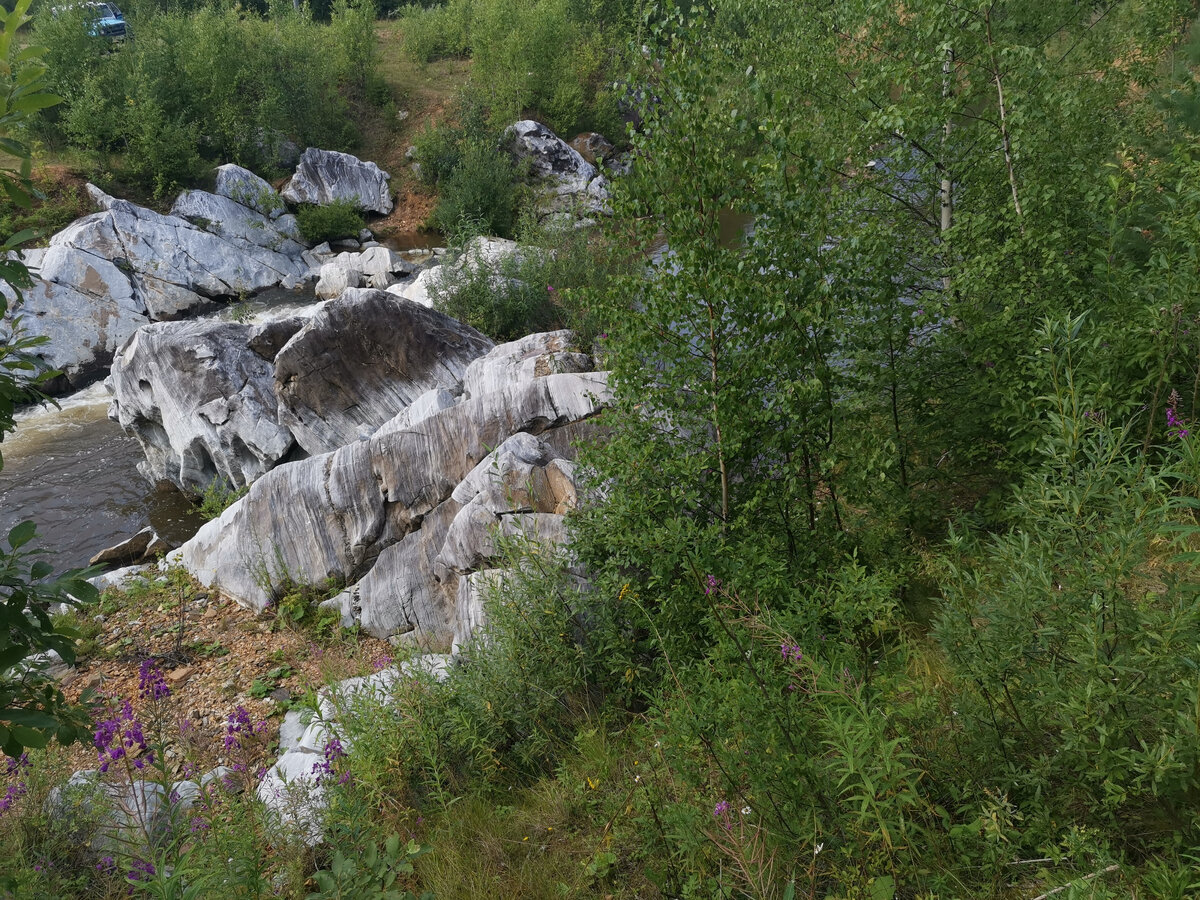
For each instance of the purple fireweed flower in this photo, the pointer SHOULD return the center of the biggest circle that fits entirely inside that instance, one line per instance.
(12, 794)
(14, 763)
(1175, 427)
(382, 662)
(791, 652)
(721, 809)
(239, 723)
(325, 767)
(116, 736)
(710, 584)
(151, 684)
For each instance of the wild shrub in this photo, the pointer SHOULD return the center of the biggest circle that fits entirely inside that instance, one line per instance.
(435, 30)
(65, 840)
(483, 188)
(1076, 631)
(551, 58)
(218, 497)
(543, 285)
(56, 204)
(339, 219)
(211, 83)
(507, 712)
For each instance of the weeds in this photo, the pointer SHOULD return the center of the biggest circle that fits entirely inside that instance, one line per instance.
(339, 219)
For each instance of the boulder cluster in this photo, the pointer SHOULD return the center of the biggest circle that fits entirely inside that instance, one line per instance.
(111, 273)
(386, 448)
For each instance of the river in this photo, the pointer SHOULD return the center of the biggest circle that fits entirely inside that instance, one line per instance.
(73, 471)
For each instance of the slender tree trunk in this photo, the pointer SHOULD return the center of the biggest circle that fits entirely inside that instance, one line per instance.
(714, 372)
(947, 191)
(1004, 134)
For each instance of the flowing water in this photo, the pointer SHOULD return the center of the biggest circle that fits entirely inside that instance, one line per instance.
(73, 471)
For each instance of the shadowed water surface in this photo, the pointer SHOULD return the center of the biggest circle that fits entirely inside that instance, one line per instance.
(74, 472)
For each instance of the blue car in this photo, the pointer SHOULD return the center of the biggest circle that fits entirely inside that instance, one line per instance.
(107, 21)
(104, 19)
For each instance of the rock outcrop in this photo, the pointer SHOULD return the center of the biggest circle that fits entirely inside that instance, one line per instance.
(376, 267)
(200, 402)
(593, 147)
(249, 190)
(114, 271)
(569, 184)
(402, 515)
(82, 331)
(222, 401)
(241, 225)
(361, 360)
(325, 176)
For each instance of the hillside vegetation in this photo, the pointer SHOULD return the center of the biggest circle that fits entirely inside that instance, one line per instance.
(890, 549)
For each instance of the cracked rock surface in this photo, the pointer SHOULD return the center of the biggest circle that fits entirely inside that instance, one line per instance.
(109, 273)
(221, 401)
(401, 516)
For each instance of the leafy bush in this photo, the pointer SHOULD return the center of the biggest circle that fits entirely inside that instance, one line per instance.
(510, 710)
(339, 219)
(218, 497)
(481, 193)
(214, 83)
(545, 284)
(1076, 639)
(552, 58)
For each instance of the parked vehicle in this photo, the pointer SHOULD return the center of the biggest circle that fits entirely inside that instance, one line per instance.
(104, 19)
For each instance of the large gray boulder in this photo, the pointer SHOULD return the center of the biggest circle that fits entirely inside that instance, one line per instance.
(361, 360)
(324, 176)
(523, 359)
(571, 187)
(200, 402)
(82, 331)
(247, 189)
(555, 162)
(240, 225)
(375, 267)
(173, 264)
(109, 273)
(335, 515)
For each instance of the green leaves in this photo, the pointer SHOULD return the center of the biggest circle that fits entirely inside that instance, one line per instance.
(369, 873)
